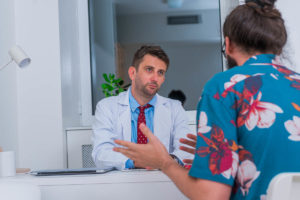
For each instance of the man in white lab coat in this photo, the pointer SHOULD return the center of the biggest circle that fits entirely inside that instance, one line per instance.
(118, 117)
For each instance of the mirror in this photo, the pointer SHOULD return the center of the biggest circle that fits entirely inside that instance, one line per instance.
(188, 31)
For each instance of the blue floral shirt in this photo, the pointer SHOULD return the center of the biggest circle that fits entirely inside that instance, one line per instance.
(249, 127)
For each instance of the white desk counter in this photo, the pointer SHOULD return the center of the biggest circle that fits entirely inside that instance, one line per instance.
(131, 185)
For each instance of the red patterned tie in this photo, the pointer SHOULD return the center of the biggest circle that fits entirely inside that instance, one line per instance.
(141, 138)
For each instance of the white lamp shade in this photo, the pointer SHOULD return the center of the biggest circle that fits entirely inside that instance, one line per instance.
(19, 56)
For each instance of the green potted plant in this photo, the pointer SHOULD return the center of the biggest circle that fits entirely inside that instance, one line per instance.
(112, 86)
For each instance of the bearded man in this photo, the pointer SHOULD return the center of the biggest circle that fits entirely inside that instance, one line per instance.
(119, 117)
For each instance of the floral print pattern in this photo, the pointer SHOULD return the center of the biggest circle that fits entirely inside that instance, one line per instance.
(223, 158)
(202, 123)
(258, 113)
(293, 127)
(289, 74)
(253, 112)
(247, 173)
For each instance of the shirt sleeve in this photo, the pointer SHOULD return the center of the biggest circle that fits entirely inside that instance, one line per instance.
(103, 138)
(129, 164)
(216, 157)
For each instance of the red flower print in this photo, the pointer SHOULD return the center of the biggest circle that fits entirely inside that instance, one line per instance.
(222, 159)
(245, 155)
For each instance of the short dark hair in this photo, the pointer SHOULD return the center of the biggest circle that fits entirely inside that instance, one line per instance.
(256, 27)
(151, 50)
(178, 95)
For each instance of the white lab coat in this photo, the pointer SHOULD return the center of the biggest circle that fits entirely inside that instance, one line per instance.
(113, 121)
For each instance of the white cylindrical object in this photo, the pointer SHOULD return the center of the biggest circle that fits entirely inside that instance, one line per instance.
(7, 164)
(19, 56)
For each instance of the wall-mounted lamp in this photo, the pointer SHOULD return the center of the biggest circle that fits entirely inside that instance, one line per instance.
(19, 56)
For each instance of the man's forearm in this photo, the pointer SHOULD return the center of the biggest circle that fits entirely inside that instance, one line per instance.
(180, 177)
(195, 188)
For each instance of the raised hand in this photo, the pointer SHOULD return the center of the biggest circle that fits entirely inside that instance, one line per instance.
(191, 142)
(152, 155)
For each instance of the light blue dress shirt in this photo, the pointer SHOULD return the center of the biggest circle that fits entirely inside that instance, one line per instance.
(135, 111)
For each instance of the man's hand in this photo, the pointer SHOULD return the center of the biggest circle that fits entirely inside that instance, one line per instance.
(151, 155)
(191, 143)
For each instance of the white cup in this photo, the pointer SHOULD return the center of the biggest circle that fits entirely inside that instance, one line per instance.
(7, 164)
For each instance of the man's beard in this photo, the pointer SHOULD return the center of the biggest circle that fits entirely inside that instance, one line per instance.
(142, 89)
(146, 92)
(230, 62)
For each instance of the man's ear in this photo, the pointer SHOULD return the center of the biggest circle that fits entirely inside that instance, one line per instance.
(229, 46)
(131, 72)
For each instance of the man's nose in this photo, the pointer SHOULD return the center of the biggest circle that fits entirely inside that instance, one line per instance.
(154, 77)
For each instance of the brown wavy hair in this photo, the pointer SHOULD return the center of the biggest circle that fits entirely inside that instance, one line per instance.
(155, 51)
(256, 26)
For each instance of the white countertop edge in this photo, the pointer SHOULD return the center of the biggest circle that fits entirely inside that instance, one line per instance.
(108, 178)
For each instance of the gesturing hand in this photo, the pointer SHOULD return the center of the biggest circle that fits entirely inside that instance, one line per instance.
(191, 143)
(151, 155)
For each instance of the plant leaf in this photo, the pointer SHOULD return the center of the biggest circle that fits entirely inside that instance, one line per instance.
(110, 88)
(106, 94)
(117, 80)
(121, 90)
(104, 86)
(105, 77)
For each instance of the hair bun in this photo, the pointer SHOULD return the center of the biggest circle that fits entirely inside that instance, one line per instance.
(264, 7)
(264, 4)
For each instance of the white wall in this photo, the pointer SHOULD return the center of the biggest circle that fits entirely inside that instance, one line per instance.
(70, 63)
(40, 133)
(291, 14)
(31, 113)
(191, 66)
(8, 79)
(102, 26)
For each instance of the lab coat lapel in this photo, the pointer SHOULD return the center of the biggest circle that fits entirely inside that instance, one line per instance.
(125, 116)
(162, 121)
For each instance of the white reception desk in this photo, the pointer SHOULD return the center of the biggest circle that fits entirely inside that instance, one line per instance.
(123, 185)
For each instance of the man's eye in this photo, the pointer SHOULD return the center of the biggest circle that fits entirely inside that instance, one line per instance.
(161, 73)
(148, 69)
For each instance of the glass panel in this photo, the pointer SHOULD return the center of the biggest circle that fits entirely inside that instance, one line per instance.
(190, 35)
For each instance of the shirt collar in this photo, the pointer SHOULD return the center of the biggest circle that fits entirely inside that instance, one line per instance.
(134, 104)
(262, 58)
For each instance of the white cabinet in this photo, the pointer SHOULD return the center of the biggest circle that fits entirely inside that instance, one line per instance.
(79, 147)
(191, 114)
